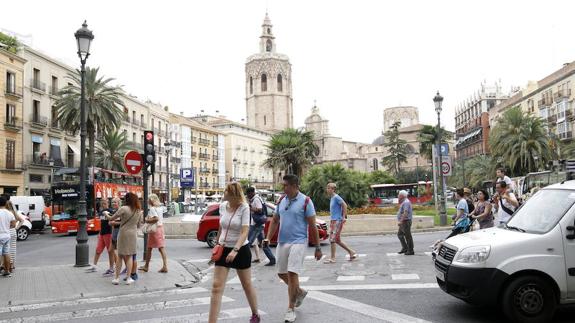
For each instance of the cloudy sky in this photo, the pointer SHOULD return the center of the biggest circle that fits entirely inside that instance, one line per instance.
(355, 57)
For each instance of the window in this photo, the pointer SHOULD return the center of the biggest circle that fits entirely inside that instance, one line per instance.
(251, 85)
(133, 116)
(36, 75)
(54, 116)
(11, 82)
(70, 157)
(269, 45)
(375, 164)
(269, 31)
(264, 83)
(36, 178)
(10, 154)
(54, 88)
(280, 83)
(265, 120)
(36, 111)
(10, 114)
(142, 119)
(133, 137)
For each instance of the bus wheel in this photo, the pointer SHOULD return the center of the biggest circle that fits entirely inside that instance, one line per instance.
(529, 299)
(211, 238)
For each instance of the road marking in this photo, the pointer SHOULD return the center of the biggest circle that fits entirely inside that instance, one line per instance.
(236, 280)
(393, 254)
(364, 309)
(301, 280)
(361, 255)
(95, 300)
(198, 260)
(350, 278)
(118, 310)
(236, 313)
(313, 257)
(405, 276)
(373, 287)
(428, 253)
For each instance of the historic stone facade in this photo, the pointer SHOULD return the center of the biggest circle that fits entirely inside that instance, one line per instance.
(408, 116)
(269, 101)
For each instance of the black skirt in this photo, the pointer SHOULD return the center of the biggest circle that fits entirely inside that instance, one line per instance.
(243, 259)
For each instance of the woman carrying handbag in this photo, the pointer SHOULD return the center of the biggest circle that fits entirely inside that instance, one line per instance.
(154, 227)
(233, 251)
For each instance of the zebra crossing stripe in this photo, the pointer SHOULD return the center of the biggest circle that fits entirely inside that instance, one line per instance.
(405, 276)
(372, 286)
(350, 278)
(236, 313)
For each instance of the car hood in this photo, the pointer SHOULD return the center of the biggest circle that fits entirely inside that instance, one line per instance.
(492, 237)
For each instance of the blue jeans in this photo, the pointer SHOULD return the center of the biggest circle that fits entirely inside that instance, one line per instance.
(257, 231)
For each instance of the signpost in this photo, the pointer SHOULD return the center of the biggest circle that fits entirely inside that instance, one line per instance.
(133, 162)
(187, 177)
(446, 166)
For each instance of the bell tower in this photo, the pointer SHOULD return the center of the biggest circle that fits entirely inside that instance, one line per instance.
(268, 85)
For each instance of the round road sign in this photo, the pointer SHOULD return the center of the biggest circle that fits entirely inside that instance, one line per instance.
(133, 162)
(445, 168)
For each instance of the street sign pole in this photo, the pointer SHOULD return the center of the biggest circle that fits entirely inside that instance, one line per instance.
(145, 176)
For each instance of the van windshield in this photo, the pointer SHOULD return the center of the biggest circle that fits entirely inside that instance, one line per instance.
(542, 211)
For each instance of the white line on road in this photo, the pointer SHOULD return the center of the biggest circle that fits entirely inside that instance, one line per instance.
(361, 255)
(236, 280)
(95, 300)
(350, 278)
(117, 310)
(364, 309)
(372, 286)
(428, 253)
(405, 276)
(301, 280)
(198, 260)
(236, 313)
(393, 254)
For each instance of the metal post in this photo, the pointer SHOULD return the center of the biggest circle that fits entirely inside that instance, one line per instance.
(145, 176)
(168, 200)
(442, 210)
(82, 248)
(196, 187)
(417, 175)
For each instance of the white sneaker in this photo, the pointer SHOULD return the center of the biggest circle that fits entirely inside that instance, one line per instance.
(300, 298)
(129, 281)
(116, 281)
(290, 315)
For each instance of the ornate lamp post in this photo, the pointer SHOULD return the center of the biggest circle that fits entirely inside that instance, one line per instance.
(168, 146)
(84, 37)
(235, 161)
(438, 100)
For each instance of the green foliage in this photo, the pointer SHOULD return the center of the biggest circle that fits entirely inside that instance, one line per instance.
(103, 104)
(245, 183)
(291, 151)
(521, 141)
(380, 177)
(11, 42)
(110, 151)
(352, 186)
(427, 138)
(396, 149)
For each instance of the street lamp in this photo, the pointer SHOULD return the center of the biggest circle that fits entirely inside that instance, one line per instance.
(438, 100)
(168, 182)
(235, 161)
(417, 173)
(84, 38)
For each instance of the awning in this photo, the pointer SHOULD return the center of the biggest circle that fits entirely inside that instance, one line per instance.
(66, 170)
(468, 136)
(37, 139)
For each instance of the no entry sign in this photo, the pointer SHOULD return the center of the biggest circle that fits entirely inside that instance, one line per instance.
(133, 162)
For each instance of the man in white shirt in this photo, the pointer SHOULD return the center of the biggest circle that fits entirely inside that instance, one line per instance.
(502, 177)
(7, 221)
(505, 202)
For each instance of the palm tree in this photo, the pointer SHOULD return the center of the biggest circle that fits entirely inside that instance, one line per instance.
(102, 106)
(522, 141)
(479, 169)
(396, 149)
(428, 137)
(291, 150)
(111, 149)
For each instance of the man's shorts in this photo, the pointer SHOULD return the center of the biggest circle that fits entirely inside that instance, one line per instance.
(104, 240)
(290, 257)
(5, 246)
(335, 228)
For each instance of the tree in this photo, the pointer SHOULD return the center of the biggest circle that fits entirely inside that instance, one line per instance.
(428, 138)
(12, 44)
(412, 176)
(102, 106)
(352, 186)
(292, 151)
(380, 177)
(479, 169)
(110, 151)
(521, 141)
(396, 149)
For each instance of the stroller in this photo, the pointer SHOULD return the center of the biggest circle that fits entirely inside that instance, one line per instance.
(463, 226)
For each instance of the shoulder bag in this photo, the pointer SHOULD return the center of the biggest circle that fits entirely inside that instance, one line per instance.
(150, 227)
(218, 250)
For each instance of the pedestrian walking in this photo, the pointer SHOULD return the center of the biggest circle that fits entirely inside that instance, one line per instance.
(233, 237)
(501, 176)
(482, 212)
(461, 220)
(404, 220)
(104, 239)
(156, 239)
(13, 233)
(130, 216)
(7, 221)
(504, 202)
(294, 213)
(338, 213)
(259, 215)
(468, 195)
(115, 225)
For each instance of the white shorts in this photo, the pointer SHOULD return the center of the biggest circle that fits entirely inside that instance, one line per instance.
(290, 257)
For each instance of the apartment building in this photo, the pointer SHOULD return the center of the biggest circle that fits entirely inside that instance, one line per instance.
(47, 146)
(549, 98)
(11, 93)
(136, 121)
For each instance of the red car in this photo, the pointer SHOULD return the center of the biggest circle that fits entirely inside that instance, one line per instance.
(210, 222)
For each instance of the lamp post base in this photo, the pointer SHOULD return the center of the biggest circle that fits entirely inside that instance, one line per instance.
(82, 255)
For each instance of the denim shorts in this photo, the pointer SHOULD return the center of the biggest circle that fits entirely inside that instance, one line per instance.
(5, 246)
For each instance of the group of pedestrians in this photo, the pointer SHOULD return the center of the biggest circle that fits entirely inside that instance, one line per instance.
(119, 234)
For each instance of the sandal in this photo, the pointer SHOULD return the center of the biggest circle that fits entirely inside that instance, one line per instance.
(353, 257)
(144, 269)
(329, 261)
(163, 270)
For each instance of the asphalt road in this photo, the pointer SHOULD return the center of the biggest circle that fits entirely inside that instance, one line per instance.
(380, 287)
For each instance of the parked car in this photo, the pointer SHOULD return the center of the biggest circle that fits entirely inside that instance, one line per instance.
(210, 222)
(34, 207)
(23, 231)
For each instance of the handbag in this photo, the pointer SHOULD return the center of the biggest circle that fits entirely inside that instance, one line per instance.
(218, 249)
(150, 227)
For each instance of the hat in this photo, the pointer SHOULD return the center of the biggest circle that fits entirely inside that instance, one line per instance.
(466, 191)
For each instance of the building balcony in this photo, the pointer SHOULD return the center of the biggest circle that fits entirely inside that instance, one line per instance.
(194, 140)
(135, 122)
(215, 143)
(54, 91)
(215, 171)
(55, 125)
(215, 157)
(204, 185)
(143, 124)
(566, 135)
(37, 85)
(13, 124)
(176, 160)
(13, 91)
(204, 142)
(38, 121)
(559, 95)
(552, 119)
(204, 156)
(43, 160)
(204, 170)
(543, 103)
(194, 154)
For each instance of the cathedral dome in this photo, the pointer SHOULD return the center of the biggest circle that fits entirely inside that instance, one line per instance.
(379, 141)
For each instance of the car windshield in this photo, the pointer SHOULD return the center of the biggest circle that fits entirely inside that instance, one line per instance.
(542, 211)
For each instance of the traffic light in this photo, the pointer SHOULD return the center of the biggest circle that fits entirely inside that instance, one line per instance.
(149, 152)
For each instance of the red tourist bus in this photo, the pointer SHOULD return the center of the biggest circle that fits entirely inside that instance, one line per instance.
(386, 194)
(102, 184)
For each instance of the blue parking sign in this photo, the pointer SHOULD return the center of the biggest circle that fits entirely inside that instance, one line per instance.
(187, 177)
(444, 149)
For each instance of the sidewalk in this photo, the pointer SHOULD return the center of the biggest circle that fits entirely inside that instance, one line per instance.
(66, 282)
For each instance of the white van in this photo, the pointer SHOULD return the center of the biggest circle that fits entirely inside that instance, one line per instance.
(34, 207)
(526, 267)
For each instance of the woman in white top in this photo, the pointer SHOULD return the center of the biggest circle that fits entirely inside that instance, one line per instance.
(156, 239)
(233, 235)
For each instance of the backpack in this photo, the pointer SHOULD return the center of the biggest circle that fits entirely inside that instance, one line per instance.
(307, 199)
(470, 206)
(261, 217)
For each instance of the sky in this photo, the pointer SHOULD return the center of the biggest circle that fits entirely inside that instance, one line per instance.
(354, 57)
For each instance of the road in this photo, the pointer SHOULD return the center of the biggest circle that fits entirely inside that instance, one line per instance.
(380, 287)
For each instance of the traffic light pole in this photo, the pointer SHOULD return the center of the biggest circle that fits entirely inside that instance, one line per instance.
(145, 176)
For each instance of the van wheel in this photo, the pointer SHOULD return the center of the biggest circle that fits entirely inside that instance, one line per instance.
(22, 233)
(211, 238)
(529, 299)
